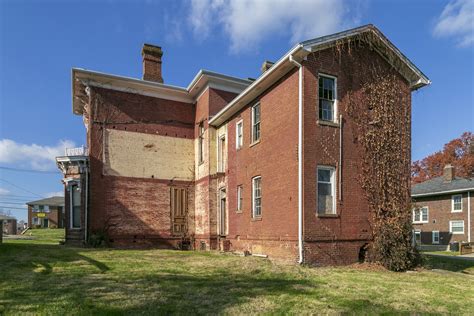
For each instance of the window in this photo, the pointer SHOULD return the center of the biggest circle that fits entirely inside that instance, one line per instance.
(417, 237)
(456, 227)
(35, 208)
(327, 97)
(239, 198)
(75, 195)
(420, 215)
(456, 203)
(46, 208)
(221, 154)
(257, 197)
(435, 237)
(35, 221)
(239, 136)
(256, 122)
(201, 142)
(41, 208)
(326, 191)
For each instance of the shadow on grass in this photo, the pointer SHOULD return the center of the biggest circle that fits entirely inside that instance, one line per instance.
(449, 264)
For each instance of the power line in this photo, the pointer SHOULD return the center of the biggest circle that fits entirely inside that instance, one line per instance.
(29, 170)
(6, 202)
(18, 187)
(13, 207)
(20, 196)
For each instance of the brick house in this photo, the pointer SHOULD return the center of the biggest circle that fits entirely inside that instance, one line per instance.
(8, 225)
(265, 166)
(46, 213)
(442, 212)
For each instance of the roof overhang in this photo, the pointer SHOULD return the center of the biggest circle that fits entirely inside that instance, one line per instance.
(204, 79)
(382, 45)
(443, 192)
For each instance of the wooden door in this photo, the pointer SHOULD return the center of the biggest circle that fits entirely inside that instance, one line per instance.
(179, 211)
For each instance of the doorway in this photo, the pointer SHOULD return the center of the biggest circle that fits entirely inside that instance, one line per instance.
(45, 223)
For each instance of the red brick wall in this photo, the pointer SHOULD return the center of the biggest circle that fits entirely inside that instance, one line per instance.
(336, 239)
(439, 215)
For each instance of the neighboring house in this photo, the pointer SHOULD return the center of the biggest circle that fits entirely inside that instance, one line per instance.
(443, 210)
(9, 225)
(263, 166)
(46, 213)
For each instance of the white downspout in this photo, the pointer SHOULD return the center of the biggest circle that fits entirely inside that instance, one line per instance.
(86, 202)
(300, 158)
(468, 216)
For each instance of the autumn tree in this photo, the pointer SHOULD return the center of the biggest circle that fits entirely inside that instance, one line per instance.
(459, 152)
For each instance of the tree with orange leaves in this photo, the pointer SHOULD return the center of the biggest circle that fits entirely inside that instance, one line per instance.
(459, 152)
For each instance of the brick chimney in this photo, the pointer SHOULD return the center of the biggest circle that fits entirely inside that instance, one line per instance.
(266, 65)
(152, 63)
(448, 173)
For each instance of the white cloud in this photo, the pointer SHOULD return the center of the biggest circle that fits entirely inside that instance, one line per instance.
(50, 194)
(35, 156)
(4, 191)
(457, 20)
(248, 22)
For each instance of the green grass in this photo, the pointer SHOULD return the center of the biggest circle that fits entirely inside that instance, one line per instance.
(40, 236)
(41, 278)
(444, 253)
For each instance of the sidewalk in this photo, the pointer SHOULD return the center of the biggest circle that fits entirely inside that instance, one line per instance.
(469, 257)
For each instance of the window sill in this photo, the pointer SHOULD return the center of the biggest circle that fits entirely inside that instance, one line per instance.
(327, 123)
(456, 211)
(327, 215)
(255, 143)
(420, 222)
(256, 219)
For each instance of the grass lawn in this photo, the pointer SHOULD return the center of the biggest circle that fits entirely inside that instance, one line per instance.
(41, 277)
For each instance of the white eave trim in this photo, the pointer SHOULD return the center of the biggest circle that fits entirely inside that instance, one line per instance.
(443, 192)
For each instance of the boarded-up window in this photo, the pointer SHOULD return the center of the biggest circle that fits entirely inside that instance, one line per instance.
(179, 210)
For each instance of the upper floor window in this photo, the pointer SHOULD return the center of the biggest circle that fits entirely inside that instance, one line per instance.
(456, 227)
(239, 134)
(240, 198)
(256, 122)
(327, 97)
(326, 190)
(420, 215)
(257, 197)
(456, 205)
(221, 147)
(201, 142)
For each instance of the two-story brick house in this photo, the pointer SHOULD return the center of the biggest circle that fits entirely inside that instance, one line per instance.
(46, 213)
(443, 211)
(266, 166)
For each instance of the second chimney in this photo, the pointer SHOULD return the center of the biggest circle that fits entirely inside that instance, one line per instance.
(152, 63)
(448, 173)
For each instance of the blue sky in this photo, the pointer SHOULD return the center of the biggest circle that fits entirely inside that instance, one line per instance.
(40, 41)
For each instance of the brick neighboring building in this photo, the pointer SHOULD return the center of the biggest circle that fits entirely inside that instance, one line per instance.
(46, 213)
(9, 224)
(443, 212)
(266, 166)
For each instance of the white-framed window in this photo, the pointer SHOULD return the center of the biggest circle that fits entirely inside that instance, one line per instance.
(257, 196)
(46, 208)
(435, 237)
(75, 196)
(456, 227)
(35, 208)
(240, 198)
(417, 237)
(221, 163)
(327, 98)
(456, 203)
(420, 215)
(35, 220)
(326, 190)
(201, 142)
(256, 122)
(239, 134)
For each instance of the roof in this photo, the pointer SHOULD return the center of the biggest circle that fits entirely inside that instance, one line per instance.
(5, 218)
(51, 201)
(438, 186)
(382, 45)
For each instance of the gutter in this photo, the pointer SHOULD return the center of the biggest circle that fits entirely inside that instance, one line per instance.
(300, 157)
(442, 192)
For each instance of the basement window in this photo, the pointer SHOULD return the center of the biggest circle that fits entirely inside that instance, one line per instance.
(435, 237)
(201, 142)
(239, 134)
(326, 190)
(256, 123)
(420, 215)
(456, 205)
(256, 197)
(456, 227)
(327, 98)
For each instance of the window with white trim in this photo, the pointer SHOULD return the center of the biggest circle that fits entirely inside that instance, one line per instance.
(221, 157)
(456, 227)
(35, 208)
(35, 220)
(420, 215)
(327, 98)
(256, 122)
(435, 237)
(326, 190)
(46, 208)
(240, 198)
(239, 134)
(456, 203)
(76, 206)
(201, 142)
(417, 237)
(257, 196)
